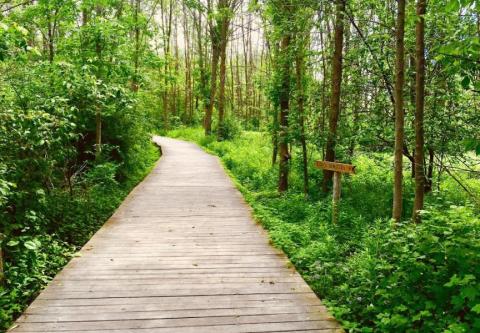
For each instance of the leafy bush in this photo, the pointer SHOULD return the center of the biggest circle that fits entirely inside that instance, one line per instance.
(54, 192)
(31, 263)
(229, 130)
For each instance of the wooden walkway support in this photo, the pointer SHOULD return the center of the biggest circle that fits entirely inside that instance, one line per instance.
(181, 254)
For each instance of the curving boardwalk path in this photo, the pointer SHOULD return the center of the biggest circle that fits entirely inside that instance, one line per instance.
(181, 254)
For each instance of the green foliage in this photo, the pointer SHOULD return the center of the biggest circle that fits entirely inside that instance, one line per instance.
(373, 275)
(32, 262)
(55, 191)
(228, 130)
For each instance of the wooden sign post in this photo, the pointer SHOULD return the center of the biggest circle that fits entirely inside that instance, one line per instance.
(338, 169)
(2, 274)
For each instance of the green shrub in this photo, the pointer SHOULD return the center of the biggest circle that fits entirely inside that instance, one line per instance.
(229, 130)
(30, 263)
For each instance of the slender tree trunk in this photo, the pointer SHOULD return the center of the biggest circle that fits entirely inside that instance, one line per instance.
(232, 85)
(284, 103)
(301, 101)
(419, 110)
(245, 63)
(223, 72)
(201, 59)
(2, 274)
(239, 86)
(167, 33)
(399, 112)
(175, 93)
(213, 89)
(336, 91)
(136, 54)
(275, 136)
(188, 71)
(429, 177)
(412, 104)
(98, 111)
(98, 131)
(50, 42)
(324, 92)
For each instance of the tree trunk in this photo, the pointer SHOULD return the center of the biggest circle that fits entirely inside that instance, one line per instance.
(336, 91)
(223, 72)
(412, 104)
(213, 89)
(188, 112)
(98, 111)
(399, 112)
(201, 59)
(232, 86)
(239, 87)
(98, 132)
(284, 103)
(419, 110)
(2, 274)
(301, 101)
(429, 177)
(136, 54)
(275, 136)
(167, 33)
(50, 42)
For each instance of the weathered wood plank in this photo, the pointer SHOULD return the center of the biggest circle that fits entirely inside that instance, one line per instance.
(319, 318)
(181, 254)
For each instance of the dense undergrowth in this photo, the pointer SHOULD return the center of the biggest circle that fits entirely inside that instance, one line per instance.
(75, 134)
(55, 192)
(373, 275)
(59, 223)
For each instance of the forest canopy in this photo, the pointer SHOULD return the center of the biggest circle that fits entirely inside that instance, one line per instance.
(270, 86)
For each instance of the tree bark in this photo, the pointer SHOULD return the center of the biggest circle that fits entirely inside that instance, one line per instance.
(98, 111)
(213, 89)
(223, 72)
(336, 91)
(136, 54)
(188, 101)
(284, 103)
(399, 112)
(429, 177)
(167, 33)
(419, 110)
(299, 66)
(2, 274)
(98, 131)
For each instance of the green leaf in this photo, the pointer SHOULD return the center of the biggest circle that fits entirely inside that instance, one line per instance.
(476, 309)
(452, 6)
(13, 243)
(31, 245)
(466, 82)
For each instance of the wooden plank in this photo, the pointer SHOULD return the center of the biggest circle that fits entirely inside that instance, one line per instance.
(319, 318)
(172, 314)
(178, 301)
(335, 166)
(293, 326)
(169, 304)
(181, 254)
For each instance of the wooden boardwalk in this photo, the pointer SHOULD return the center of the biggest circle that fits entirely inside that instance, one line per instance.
(181, 254)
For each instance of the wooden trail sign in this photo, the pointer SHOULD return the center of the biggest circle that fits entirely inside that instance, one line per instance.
(335, 167)
(338, 169)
